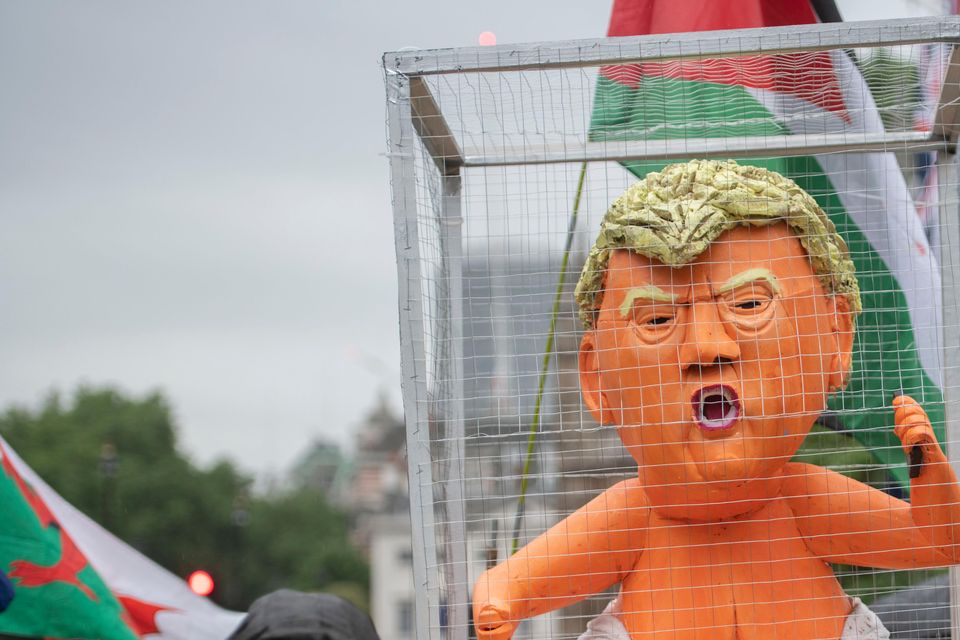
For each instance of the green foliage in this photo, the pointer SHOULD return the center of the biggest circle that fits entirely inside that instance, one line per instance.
(290, 560)
(843, 454)
(116, 459)
(870, 584)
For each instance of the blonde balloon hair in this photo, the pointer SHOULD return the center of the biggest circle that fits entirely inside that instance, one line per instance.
(673, 215)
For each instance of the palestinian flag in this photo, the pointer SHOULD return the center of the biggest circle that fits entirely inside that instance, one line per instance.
(898, 334)
(72, 579)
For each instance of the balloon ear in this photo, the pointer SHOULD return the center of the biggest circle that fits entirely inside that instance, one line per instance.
(590, 381)
(842, 326)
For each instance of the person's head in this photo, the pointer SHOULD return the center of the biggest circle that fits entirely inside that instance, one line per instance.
(720, 304)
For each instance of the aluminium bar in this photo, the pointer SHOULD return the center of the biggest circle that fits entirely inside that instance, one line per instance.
(742, 147)
(945, 124)
(432, 128)
(403, 175)
(706, 44)
(452, 410)
(949, 240)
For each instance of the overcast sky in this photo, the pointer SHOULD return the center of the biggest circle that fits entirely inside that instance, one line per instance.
(194, 198)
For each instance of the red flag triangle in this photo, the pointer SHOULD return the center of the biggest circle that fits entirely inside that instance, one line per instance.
(808, 76)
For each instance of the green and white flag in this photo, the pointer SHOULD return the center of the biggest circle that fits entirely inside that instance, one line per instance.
(898, 334)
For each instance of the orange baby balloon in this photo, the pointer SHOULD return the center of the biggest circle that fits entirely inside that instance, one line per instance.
(715, 371)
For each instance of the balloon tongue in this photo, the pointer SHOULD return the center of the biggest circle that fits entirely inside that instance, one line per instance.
(715, 407)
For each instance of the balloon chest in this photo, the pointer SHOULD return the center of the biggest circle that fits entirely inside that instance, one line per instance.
(749, 577)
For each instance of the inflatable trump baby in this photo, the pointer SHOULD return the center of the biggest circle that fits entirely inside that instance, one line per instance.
(720, 307)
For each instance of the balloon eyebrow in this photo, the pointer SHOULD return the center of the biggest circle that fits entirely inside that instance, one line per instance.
(750, 275)
(649, 292)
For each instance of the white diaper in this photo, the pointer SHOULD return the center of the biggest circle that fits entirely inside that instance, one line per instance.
(861, 624)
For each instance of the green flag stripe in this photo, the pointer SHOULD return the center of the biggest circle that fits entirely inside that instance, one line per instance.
(668, 108)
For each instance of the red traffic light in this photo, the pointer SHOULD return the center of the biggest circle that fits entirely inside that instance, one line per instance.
(201, 583)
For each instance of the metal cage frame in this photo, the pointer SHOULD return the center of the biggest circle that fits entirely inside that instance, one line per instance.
(414, 114)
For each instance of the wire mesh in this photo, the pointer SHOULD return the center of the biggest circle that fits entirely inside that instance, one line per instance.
(504, 162)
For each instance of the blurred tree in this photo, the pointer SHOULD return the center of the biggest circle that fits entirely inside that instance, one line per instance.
(116, 459)
(278, 523)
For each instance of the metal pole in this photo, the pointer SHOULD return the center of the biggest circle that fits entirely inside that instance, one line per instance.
(949, 222)
(413, 361)
(458, 592)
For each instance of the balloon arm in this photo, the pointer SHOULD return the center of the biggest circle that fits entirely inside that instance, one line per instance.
(843, 520)
(934, 493)
(585, 553)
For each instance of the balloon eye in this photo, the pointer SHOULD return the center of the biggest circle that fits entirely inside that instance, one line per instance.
(750, 306)
(658, 320)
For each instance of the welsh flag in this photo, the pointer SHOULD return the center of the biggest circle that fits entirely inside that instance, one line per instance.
(73, 579)
(898, 334)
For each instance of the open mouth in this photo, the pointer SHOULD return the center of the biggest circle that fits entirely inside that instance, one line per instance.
(716, 407)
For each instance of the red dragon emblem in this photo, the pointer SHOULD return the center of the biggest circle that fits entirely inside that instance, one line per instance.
(71, 561)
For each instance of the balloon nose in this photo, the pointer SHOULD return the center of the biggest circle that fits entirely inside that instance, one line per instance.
(708, 342)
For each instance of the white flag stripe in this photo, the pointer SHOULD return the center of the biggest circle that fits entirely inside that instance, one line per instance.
(874, 195)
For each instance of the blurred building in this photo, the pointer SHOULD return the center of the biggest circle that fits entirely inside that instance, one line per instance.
(375, 495)
(323, 468)
(391, 576)
(508, 306)
(507, 311)
(378, 470)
